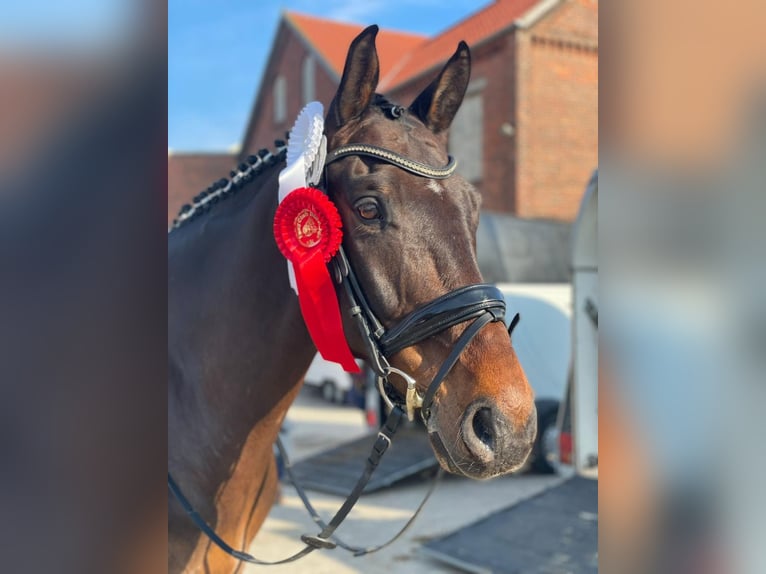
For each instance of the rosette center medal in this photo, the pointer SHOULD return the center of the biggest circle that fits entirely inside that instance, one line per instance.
(307, 220)
(308, 228)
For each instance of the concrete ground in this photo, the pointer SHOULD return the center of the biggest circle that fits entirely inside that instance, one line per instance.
(314, 426)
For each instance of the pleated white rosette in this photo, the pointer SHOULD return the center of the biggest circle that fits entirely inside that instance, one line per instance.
(306, 152)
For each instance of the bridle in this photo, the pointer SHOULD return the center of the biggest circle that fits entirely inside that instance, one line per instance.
(481, 304)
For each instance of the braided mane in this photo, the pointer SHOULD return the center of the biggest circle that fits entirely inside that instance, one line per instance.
(223, 188)
(253, 166)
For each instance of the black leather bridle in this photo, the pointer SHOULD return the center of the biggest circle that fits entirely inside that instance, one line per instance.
(480, 303)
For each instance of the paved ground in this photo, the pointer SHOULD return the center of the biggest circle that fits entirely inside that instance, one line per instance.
(315, 426)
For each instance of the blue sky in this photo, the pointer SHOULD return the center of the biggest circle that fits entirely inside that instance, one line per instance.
(217, 50)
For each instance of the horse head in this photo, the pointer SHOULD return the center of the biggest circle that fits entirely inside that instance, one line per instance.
(410, 240)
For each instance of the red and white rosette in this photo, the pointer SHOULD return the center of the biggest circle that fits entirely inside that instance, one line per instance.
(308, 232)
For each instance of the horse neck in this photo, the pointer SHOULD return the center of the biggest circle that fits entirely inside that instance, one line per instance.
(238, 344)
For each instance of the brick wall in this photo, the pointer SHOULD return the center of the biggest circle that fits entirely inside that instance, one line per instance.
(540, 113)
(557, 112)
(493, 62)
(491, 68)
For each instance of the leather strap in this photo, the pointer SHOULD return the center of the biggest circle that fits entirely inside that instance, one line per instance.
(513, 323)
(378, 449)
(356, 550)
(217, 540)
(440, 314)
(325, 538)
(471, 331)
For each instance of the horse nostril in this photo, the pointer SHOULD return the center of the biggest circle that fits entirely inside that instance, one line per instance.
(484, 427)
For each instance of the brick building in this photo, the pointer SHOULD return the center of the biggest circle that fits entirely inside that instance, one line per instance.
(527, 133)
(306, 64)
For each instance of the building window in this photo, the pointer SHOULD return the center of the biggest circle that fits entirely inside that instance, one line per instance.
(466, 136)
(280, 100)
(309, 68)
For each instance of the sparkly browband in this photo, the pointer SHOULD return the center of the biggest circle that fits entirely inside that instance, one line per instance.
(394, 158)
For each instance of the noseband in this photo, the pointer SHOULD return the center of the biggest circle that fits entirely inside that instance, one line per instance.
(481, 303)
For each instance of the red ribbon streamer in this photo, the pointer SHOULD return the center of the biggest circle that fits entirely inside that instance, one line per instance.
(308, 231)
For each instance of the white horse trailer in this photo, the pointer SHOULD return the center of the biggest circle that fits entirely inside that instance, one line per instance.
(584, 389)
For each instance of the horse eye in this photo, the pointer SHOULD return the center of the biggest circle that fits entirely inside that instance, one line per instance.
(368, 210)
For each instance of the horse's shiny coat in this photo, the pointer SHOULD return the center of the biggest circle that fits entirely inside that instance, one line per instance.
(238, 347)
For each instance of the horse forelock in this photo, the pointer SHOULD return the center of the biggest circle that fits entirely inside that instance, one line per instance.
(392, 110)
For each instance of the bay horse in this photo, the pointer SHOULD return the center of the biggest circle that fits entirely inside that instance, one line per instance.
(238, 346)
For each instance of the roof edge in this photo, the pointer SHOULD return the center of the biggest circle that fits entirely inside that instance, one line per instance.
(308, 44)
(527, 20)
(536, 13)
(439, 65)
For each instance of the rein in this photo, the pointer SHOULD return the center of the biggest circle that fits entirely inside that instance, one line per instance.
(481, 304)
(325, 539)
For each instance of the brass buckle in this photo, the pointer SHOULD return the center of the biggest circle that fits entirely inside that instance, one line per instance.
(413, 400)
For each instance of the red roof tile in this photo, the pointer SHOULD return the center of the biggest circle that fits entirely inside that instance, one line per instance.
(493, 19)
(331, 41)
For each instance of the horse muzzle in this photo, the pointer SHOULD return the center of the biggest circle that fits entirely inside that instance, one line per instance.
(487, 443)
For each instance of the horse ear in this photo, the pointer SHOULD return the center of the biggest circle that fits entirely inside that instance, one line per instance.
(437, 105)
(360, 78)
